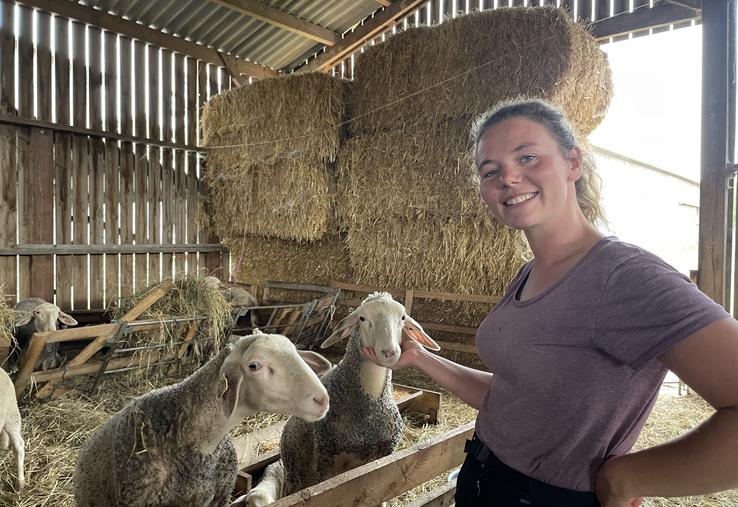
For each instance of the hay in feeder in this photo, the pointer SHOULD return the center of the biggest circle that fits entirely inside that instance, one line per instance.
(7, 326)
(409, 175)
(190, 297)
(291, 199)
(454, 255)
(464, 66)
(257, 260)
(298, 115)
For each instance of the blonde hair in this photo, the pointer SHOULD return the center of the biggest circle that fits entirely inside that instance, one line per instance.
(589, 186)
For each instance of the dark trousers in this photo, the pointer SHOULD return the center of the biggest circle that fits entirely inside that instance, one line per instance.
(486, 481)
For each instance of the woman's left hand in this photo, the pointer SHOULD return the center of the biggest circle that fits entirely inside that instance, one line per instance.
(607, 490)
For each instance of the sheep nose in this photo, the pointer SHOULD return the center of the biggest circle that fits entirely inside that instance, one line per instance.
(389, 353)
(321, 401)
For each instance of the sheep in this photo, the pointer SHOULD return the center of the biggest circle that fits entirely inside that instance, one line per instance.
(171, 446)
(236, 296)
(364, 423)
(10, 425)
(35, 315)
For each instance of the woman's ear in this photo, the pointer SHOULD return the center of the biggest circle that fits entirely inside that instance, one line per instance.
(574, 156)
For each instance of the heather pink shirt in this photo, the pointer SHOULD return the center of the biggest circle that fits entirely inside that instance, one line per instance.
(576, 369)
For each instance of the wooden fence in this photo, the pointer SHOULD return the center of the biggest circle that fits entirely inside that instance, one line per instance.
(99, 161)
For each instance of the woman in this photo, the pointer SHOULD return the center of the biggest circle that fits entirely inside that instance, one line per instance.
(580, 344)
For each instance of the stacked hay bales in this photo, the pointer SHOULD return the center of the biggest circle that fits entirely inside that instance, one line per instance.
(271, 152)
(412, 210)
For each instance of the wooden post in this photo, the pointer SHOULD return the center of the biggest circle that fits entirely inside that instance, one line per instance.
(30, 360)
(713, 185)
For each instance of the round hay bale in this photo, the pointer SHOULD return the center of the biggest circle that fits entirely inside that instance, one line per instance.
(454, 255)
(464, 66)
(298, 115)
(258, 259)
(291, 199)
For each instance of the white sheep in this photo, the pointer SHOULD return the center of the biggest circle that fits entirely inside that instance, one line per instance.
(364, 423)
(171, 446)
(10, 425)
(35, 315)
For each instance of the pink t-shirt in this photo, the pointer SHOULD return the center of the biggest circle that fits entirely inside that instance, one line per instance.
(577, 369)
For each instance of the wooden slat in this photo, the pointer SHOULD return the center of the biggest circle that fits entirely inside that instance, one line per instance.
(25, 62)
(191, 100)
(166, 97)
(111, 76)
(126, 85)
(7, 57)
(442, 496)
(79, 77)
(25, 174)
(97, 222)
(713, 182)
(663, 13)
(81, 169)
(180, 209)
(127, 193)
(192, 203)
(8, 206)
(117, 24)
(94, 36)
(139, 81)
(142, 180)
(112, 275)
(167, 182)
(43, 65)
(154, 195)
(179, 98)
(64, 202)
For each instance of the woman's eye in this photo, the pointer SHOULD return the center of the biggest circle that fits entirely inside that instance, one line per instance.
(490, 174)
(526, 159)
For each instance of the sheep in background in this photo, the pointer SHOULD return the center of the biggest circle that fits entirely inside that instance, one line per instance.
(364, 423)
(171, 446)
(34, 315)
(10, 425)
(236, 296)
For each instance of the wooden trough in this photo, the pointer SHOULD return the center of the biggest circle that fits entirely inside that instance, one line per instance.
(409, 400)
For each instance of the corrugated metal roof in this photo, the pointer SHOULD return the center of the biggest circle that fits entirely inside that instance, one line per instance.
(212, 25)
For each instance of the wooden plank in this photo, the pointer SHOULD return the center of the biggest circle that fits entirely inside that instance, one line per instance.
(135, 30)
(64, 202)
(139, 82)
(25, 176)
(191, 105)
(79, 75)
(110, 113)
(442, 496)
(167, 211)
(97, 222)
(142, 179)
(25, 62)
(43, 65)
(80, 201)
(178, 83)
(112, 275)
(192, 203)
(97, 249)
(420, 401)
(77, 333)
(154, 197)
(30, 360)
(166, 97)
(180, 211)
(663, 13)
(7, 57)
(8, 206)
(95, 83)
(126, 85)
(713, 182)
(126, 197)
(152, 77)
(376, 481)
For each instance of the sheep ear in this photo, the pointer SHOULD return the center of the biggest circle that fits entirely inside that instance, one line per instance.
(233, 339)
(344, 329)
(67, 319)
(232, 377)
(24, 319)
(417, 333)
(319, 364)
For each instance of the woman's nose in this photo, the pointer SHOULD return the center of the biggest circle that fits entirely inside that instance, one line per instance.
(509, 176)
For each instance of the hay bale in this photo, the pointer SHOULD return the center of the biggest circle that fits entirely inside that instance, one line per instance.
(409, 175)
(190, 297)
(292, 199)
(7, 326)
(298, 115)
(453, 255)
(257, 259)
(464, 66)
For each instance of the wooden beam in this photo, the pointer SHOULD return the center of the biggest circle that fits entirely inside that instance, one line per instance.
(117, 24)
(384, 3)
(36, 249)
(442, 496)
(663, 13)
(363, 34)
(281, 19)
(716, 60)
(377, 481)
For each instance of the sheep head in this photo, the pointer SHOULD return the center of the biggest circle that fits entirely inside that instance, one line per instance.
(380, 321)
(265, 372)
(45, 317)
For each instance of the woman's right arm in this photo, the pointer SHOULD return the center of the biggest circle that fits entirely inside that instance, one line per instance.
(468, 384)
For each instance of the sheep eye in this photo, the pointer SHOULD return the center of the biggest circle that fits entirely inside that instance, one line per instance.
(254, 366)
(362, 319)
(403, 317)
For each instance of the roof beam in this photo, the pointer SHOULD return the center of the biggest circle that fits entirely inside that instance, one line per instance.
(662, 13)
(363, 34)
(117, 24)
(281, 19)
(384, 3)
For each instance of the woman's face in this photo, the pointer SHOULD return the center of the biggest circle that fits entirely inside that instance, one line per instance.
(525, 179)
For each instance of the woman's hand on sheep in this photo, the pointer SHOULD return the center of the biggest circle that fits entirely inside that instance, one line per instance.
(410, 350)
